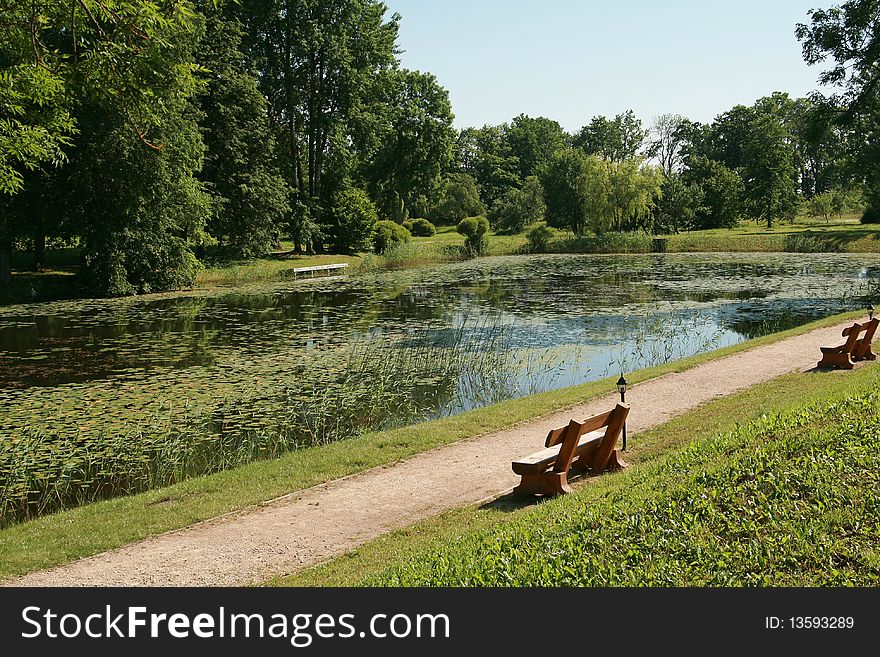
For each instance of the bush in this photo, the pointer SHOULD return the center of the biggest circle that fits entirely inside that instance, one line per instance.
(389, 234)
(421, 228)
(474, 229)
(354, 218)
(408, 225)
(538, 239)
(871, 215)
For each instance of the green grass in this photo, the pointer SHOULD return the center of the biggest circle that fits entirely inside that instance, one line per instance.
(843, 236)
(775, 485)
(802, 236)
(86, 530)
(805, 235)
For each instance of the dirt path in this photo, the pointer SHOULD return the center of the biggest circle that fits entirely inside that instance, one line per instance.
(310, 526)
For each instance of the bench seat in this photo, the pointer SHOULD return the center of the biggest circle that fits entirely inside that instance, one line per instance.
(546, 458)
(583, 445)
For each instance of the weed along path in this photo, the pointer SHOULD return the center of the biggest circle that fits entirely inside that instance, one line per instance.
(305, 528)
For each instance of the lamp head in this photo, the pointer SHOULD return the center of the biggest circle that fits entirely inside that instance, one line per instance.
(870, 311)
(621, 385)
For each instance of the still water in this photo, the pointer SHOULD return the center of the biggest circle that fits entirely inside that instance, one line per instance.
(547, 321)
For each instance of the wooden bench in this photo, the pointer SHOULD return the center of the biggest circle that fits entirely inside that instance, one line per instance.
(853, 349)
(581, 445)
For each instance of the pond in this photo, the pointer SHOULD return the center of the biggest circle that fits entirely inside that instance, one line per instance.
(317, 360)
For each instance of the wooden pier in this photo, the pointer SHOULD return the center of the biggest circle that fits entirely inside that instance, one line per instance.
(319, 268)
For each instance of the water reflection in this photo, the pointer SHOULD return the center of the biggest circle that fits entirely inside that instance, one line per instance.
(611, 310)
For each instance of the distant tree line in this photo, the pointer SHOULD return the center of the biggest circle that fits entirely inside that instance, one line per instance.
(154, 135)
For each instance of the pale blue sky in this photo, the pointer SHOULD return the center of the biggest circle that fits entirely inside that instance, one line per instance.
(570, 60)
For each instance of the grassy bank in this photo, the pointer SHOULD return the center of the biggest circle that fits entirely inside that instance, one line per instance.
(775, 485)
(68, 535)
(802, 236)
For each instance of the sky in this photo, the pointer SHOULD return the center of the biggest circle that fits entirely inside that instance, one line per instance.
(570, 60)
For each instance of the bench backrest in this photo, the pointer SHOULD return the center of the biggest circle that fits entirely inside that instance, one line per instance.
(570, 435)
(863, 346)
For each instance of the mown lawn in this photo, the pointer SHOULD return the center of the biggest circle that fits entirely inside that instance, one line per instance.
(775, 486)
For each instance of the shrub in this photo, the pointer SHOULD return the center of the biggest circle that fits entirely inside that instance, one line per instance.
(871, 215)
(354, 218)
(408, 225)
(421, 228)
(538, 239)
(474, 229)
(389, 234)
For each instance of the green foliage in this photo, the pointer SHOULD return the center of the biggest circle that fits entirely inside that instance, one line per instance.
(414, 144)
(519, 208)
(250, 199)
(871, 215)
(768, 171)
(421, 228)
(632, 189)
(833, 203)
(533, 141)
(607, 242)
(389, 234)
(722, 190)
(777, 502)
(678, 206)
(484, 154)
(539, 239)
(35, 126)
(475, 230)
(459, 199)
(144, 210)
(353, 218)
(574, 192)
(618, 139)
(586, 193)
(323, 128)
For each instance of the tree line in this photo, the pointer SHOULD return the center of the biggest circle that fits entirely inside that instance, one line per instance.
(154, 135)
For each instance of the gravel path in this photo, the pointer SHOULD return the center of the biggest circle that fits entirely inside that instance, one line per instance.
(308, 527)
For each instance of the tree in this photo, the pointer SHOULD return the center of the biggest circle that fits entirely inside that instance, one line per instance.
(459, 198)
(849, 35)
(632, 189)
(122, 55)
(617, 140)
(533, 141)
(575, 192)
(485, 155)
(353, 219)
(414, 144)
(475, 230)
(667, 140)
(320, 64)
(722, 191)
(250, 199)
(519, 208)
(678, 205)
(768, 170)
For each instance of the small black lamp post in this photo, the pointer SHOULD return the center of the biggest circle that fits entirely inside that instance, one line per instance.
(870, 311)
(621, 388)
